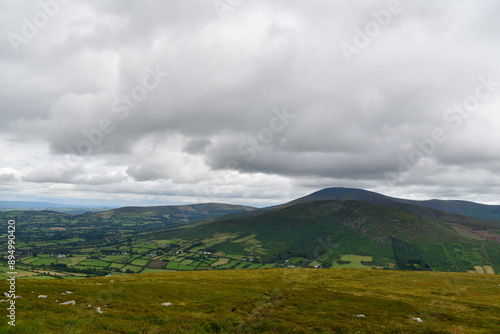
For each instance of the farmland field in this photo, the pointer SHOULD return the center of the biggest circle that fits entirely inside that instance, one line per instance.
(139, 262)
(353, 261)
(325, 237)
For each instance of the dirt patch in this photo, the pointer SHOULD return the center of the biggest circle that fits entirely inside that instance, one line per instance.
(479, 270)
(484, 234)
(489, 270)
(221, 262)
(466, 232)
(156, 264)
(44, 272)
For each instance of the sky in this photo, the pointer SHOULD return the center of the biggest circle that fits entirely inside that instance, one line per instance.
(248, 101)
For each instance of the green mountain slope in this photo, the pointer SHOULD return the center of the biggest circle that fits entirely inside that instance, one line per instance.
(324, 232)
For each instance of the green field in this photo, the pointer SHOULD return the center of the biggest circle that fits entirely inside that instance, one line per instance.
(94, 263)
(116, 258)
(172, 265)
(28, 260)
(263, 301)
(116, 265)
(353, 261)
(132, 268)
(150, 271)
(140, 262)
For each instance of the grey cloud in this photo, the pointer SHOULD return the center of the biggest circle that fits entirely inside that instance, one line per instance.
(7, 177)
(56, 173)
(149, 172)
(53, 173)
(106, 179)
(196, 146)
(226, 75)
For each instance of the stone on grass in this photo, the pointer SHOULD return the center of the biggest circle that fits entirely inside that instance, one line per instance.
(71, 302)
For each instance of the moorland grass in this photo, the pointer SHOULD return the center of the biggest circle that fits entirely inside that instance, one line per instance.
(263, 301)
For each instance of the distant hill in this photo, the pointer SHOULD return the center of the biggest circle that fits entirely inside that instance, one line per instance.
(137, 218)
(491, 212)
(38, 206)
(172, 213)
(26, 205)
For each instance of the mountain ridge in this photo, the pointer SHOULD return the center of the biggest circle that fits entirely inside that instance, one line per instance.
(460, 207)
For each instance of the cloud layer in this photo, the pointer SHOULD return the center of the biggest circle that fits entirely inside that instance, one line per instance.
(249, 101)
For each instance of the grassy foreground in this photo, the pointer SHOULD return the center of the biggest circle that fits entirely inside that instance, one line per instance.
(261, 301)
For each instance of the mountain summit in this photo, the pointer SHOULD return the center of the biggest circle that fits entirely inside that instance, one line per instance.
(465, 208)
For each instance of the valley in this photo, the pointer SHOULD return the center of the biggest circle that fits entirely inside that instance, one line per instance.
(354, 232)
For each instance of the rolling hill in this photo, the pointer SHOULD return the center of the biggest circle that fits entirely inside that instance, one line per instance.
(177, 214)
(160, 216)
(39, 206)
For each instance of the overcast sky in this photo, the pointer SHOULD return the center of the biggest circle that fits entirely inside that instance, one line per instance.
(248, 101)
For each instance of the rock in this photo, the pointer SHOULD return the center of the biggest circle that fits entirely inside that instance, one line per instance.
(42, 296)
(71, 302)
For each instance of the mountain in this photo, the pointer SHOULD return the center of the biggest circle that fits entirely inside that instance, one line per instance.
(471, 209)
(335, 233)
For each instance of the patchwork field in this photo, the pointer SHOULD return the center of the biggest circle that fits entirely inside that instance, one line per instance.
(317, 234)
